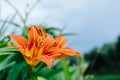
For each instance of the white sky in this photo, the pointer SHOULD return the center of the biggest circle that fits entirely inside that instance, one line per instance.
(96, 21)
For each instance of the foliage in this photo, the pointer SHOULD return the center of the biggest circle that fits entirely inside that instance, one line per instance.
(104, 60)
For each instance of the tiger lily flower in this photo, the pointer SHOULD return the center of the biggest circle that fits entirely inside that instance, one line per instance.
(41, 46)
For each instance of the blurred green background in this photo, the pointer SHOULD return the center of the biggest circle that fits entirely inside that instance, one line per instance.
(98, 63)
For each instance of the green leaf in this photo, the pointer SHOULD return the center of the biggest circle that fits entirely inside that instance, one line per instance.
(3, 25)
(41, 78)
(10, 22)
(3, 43)
(25, 30)
(66, 69)
(17, 11)
(7, 62)
(7, 50)
(15, 72)
(3, 66)
(2, 57)
(50, 73)
(31, 9)
(6, 53)
(52, 29)
(69, 34)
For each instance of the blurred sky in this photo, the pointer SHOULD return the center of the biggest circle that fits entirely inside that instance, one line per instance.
(96, 21)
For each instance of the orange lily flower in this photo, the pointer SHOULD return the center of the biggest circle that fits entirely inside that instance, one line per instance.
(41, 46)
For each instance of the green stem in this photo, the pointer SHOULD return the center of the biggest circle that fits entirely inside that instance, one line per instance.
(29, 73)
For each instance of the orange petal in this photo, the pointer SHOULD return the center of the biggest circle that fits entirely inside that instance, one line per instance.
(60, 41)
(70, 52)
(33, 34)
(47, 60)
(31, 61)
(19, 39)
(48, 42)
(30, 52)
(19, 48)
(57, 53)
(36, 33)
(42, 31)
